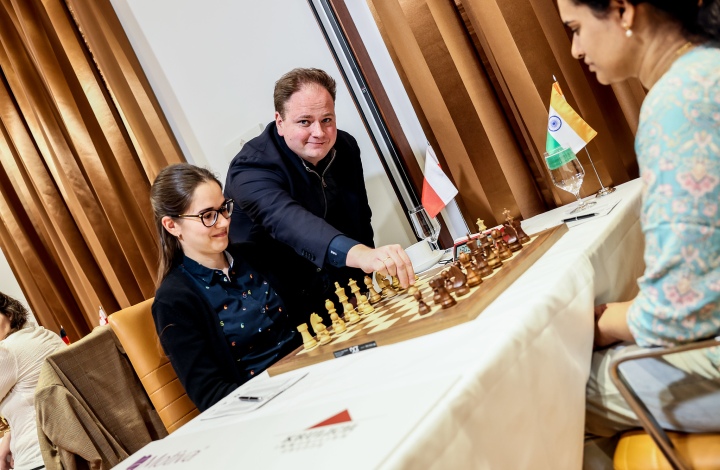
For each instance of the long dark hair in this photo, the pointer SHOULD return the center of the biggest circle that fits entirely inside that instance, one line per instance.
(171, 194)
(699, 18)
(15, 311)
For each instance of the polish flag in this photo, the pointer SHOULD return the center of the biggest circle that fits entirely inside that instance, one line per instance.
(437, 189)
(103, 317)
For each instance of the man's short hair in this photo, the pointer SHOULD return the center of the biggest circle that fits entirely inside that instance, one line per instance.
(294, 80)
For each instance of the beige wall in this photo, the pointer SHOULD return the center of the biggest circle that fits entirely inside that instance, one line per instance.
(213, 65)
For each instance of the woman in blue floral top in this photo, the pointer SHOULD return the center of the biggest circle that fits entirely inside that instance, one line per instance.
(672, 47)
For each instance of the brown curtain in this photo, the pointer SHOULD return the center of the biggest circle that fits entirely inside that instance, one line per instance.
(479, 74)
(81, 138)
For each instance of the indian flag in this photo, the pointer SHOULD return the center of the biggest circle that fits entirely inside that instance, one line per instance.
(565, 127)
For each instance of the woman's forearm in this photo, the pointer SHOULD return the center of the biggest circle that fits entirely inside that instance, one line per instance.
(612, 325)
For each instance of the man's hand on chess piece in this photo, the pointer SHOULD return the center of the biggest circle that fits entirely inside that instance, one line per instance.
(389, 260)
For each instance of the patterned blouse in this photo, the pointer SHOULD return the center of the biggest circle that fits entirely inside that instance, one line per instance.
(251, 313)
(678, 150)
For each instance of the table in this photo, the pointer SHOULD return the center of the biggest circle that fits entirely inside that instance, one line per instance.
(506, 390)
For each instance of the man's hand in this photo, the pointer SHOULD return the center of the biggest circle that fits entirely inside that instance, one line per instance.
(389, 260)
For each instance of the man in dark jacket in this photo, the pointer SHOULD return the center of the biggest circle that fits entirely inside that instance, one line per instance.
(300, 195)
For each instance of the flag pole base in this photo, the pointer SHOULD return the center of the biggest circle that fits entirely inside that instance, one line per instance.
(604, 192)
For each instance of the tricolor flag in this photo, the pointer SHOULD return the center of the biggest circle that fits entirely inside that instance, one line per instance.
(437, 189)
(565, 127)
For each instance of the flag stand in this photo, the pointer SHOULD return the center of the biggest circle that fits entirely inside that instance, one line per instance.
(604, 191)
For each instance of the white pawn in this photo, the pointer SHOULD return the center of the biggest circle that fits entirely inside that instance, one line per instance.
(363, 307)
(337, 323)
(375, 296)
(308, 341)
(347, 306)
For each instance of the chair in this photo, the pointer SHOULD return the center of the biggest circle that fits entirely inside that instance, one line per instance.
(91, 408)
(135, 329)
(655, 448)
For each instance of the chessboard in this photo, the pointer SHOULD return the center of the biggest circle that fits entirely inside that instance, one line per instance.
(397, 318)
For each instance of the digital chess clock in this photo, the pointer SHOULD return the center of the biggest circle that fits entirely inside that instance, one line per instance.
(460, 245)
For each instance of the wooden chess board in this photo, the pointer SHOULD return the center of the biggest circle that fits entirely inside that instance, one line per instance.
(396, 319)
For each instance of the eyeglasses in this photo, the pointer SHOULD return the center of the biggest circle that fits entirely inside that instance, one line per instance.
(209, 217)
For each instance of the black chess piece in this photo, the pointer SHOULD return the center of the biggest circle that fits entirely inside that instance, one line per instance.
(459, 281)
(512, 238)
(522, 236)
(444, 299)
(423, 308)
(473, 277)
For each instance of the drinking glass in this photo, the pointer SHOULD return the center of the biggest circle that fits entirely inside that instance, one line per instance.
(567, 174)
(425, 227)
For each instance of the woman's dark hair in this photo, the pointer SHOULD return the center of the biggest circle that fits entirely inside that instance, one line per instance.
(15, 311)
(698, 18)
(171, 194)
(294, 80)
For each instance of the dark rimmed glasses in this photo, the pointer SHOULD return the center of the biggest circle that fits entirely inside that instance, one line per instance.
(209, 217)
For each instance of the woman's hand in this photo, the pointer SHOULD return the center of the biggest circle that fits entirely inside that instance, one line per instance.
(6, 460)
(611, 324)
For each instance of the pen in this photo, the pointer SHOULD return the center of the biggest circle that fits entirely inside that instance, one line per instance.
(580, 217)
(250, 398)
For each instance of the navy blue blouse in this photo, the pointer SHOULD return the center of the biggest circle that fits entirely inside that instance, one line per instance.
(251, 313)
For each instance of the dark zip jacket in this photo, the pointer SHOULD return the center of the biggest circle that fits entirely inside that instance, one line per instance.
(293, 211)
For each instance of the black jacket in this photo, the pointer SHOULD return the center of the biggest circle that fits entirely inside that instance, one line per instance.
(191, 335)
(287, 211)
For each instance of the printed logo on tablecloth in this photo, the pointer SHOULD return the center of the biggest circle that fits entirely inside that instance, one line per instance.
(342, 417)
(337, 427)
(164, 460)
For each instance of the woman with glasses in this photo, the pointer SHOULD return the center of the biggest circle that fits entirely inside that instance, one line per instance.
(219, 321)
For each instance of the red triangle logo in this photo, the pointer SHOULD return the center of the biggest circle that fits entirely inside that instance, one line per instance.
(342, 417)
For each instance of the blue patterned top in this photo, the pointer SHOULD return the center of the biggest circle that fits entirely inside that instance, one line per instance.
(250, 313)
(678, 151)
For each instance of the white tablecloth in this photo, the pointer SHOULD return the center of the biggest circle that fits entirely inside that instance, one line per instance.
(515, 376)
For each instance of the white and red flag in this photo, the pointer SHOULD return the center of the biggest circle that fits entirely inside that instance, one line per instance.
(102, 317)
(437, 189)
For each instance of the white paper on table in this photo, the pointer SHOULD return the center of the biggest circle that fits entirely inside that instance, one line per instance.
(364, 431)
(600, 209)
(264, 391)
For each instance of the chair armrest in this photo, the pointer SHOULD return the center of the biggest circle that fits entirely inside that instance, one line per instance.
(648, 421)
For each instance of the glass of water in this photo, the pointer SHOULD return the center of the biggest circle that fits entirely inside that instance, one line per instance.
(567, 174)
(425, 227)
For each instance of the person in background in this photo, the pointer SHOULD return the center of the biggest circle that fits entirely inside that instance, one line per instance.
(23, 348)
(219, 321)
(300, 195)
(672, 47)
